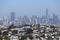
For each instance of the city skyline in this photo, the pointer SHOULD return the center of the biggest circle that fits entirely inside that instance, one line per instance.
(29, 19)
(29, 7)
(22, 20)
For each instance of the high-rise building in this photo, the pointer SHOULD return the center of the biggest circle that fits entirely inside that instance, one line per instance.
(34, 20)
(26, 20)
(1, 22)
(5, 21)
(47, 19)
(46, 13)
(55, 19)
(12, 17)
(43, 20)
(20, 22)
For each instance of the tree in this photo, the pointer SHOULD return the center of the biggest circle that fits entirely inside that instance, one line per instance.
(23, 37)
(49, 38)
(1, 37)
(14, 32)
(5, 33)
(38, 37)
(6, 38)
(43, 36)
(0, 32)
(11, 26)
(29, 31)
(52, 26)
(30, 37)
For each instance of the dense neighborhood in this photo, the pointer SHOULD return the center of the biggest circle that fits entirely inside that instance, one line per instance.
(29, 32)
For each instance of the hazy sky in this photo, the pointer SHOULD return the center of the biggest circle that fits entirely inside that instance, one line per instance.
(29, 7)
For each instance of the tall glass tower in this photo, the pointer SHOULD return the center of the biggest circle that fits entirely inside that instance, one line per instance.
(47, 16)
(12, 16)
(46, 13)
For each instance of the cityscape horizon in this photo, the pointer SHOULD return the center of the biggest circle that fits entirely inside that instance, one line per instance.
(29, 19)
(44, 19)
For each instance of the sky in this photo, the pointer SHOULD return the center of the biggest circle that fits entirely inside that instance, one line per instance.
(29, 7)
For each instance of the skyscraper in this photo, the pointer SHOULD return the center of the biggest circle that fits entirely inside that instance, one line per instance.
(55, 18)
(34, 20)
(20, 22)
(47, 16)
(46, 13)
(12, 17)
(1, 21)
(5, 21)
(26, 20)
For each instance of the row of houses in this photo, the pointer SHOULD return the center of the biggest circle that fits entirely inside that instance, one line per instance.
(35, 32)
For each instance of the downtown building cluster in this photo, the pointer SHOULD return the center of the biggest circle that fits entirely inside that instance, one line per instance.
(30, 28)
(22, 20)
